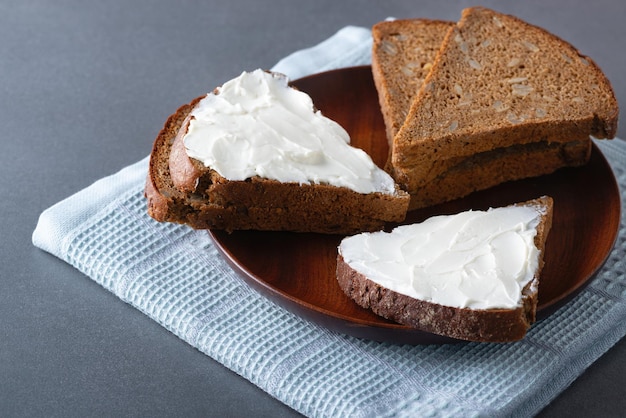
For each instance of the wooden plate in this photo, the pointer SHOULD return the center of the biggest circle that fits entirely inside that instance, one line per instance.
(297, 271)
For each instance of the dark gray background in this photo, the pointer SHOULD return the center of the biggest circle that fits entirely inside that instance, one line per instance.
(84, 88)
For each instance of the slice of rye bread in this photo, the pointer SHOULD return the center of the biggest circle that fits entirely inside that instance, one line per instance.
(482, 325)
(181, 190)
(491, 168)
(403, 52)
(498, 81)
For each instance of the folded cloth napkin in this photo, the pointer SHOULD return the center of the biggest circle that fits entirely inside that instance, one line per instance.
(175, 276)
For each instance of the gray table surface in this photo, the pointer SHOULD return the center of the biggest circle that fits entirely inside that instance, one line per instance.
(84, 88)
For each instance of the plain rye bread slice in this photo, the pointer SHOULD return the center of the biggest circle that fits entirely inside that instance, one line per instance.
(403, 52)
(498, 81)
(490, 168)
(182, 189)
(401, 259)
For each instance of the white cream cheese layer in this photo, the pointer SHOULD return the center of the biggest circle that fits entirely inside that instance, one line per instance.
(256, 125)
(474, 259)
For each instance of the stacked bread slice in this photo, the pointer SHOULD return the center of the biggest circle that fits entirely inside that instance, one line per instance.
(403, 52)
(486, 100)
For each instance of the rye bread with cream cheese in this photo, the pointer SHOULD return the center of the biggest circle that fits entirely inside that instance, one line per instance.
(481, 325)
(181, 189)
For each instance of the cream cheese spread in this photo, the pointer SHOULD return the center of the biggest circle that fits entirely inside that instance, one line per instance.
(256, 125)
(474, 259)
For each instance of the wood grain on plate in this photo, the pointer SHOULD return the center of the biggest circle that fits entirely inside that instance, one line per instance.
(297, 271)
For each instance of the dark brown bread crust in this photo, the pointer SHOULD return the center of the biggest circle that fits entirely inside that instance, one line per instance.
(483, 325)
(202, 199)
